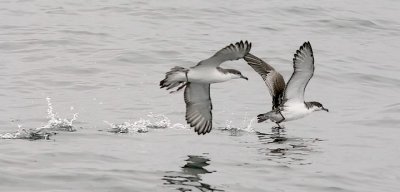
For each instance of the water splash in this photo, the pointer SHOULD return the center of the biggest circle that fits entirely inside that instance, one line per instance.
(159, 121)
(54, 123)
(29, 134)
(128, 127)
(153, 121)
(228, 124)
(249, 125)
(246, 126)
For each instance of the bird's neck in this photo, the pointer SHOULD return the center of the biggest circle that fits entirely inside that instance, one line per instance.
(310, 106)
(225, 74)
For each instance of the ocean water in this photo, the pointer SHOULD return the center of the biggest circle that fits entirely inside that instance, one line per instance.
(87, 73)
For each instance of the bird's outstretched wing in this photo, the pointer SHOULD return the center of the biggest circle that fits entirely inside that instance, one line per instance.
(272, 78)
(198, 107)
(231, 52)
(303, 64)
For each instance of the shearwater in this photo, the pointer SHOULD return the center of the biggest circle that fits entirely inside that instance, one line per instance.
(287, 100)
(197, 79)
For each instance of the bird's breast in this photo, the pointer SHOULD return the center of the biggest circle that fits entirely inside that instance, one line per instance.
(295, 111)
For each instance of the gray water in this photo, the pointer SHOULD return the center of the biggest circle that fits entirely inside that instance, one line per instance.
(104, 59)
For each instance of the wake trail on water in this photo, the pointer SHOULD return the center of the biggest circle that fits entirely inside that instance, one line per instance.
(160, 121)
(143, 125)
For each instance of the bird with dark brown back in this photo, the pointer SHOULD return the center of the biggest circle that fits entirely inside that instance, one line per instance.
(287, 99)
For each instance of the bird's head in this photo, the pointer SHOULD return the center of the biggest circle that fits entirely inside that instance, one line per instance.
(317, 106)
(235, 74)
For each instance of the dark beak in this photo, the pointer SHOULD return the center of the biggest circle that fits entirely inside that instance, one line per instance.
(325, 109)
(243, 77)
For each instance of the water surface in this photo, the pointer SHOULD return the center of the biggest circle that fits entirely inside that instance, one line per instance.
(104, 59)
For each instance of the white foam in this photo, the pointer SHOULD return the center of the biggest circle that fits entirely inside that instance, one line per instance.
(153, 121)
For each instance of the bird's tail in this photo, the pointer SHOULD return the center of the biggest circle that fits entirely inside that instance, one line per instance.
(262, 117)
(175, 77)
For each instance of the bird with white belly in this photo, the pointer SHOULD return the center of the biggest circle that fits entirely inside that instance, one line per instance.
(197, 79)
(287, 99)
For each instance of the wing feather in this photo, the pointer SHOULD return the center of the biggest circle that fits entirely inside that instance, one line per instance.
(198, 107)
(231, 52)
(303, 64)
(272, 78)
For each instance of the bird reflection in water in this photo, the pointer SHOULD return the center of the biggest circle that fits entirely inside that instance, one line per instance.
(283, 149)
(276, 136)
(189, 178)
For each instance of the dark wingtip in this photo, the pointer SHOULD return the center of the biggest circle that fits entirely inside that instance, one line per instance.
(200, 133)
(306, 44)
(205, 131)
(250, 45)
(237, 44)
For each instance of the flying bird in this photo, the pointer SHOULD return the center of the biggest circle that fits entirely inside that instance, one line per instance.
(197, 79)
(287, 99)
